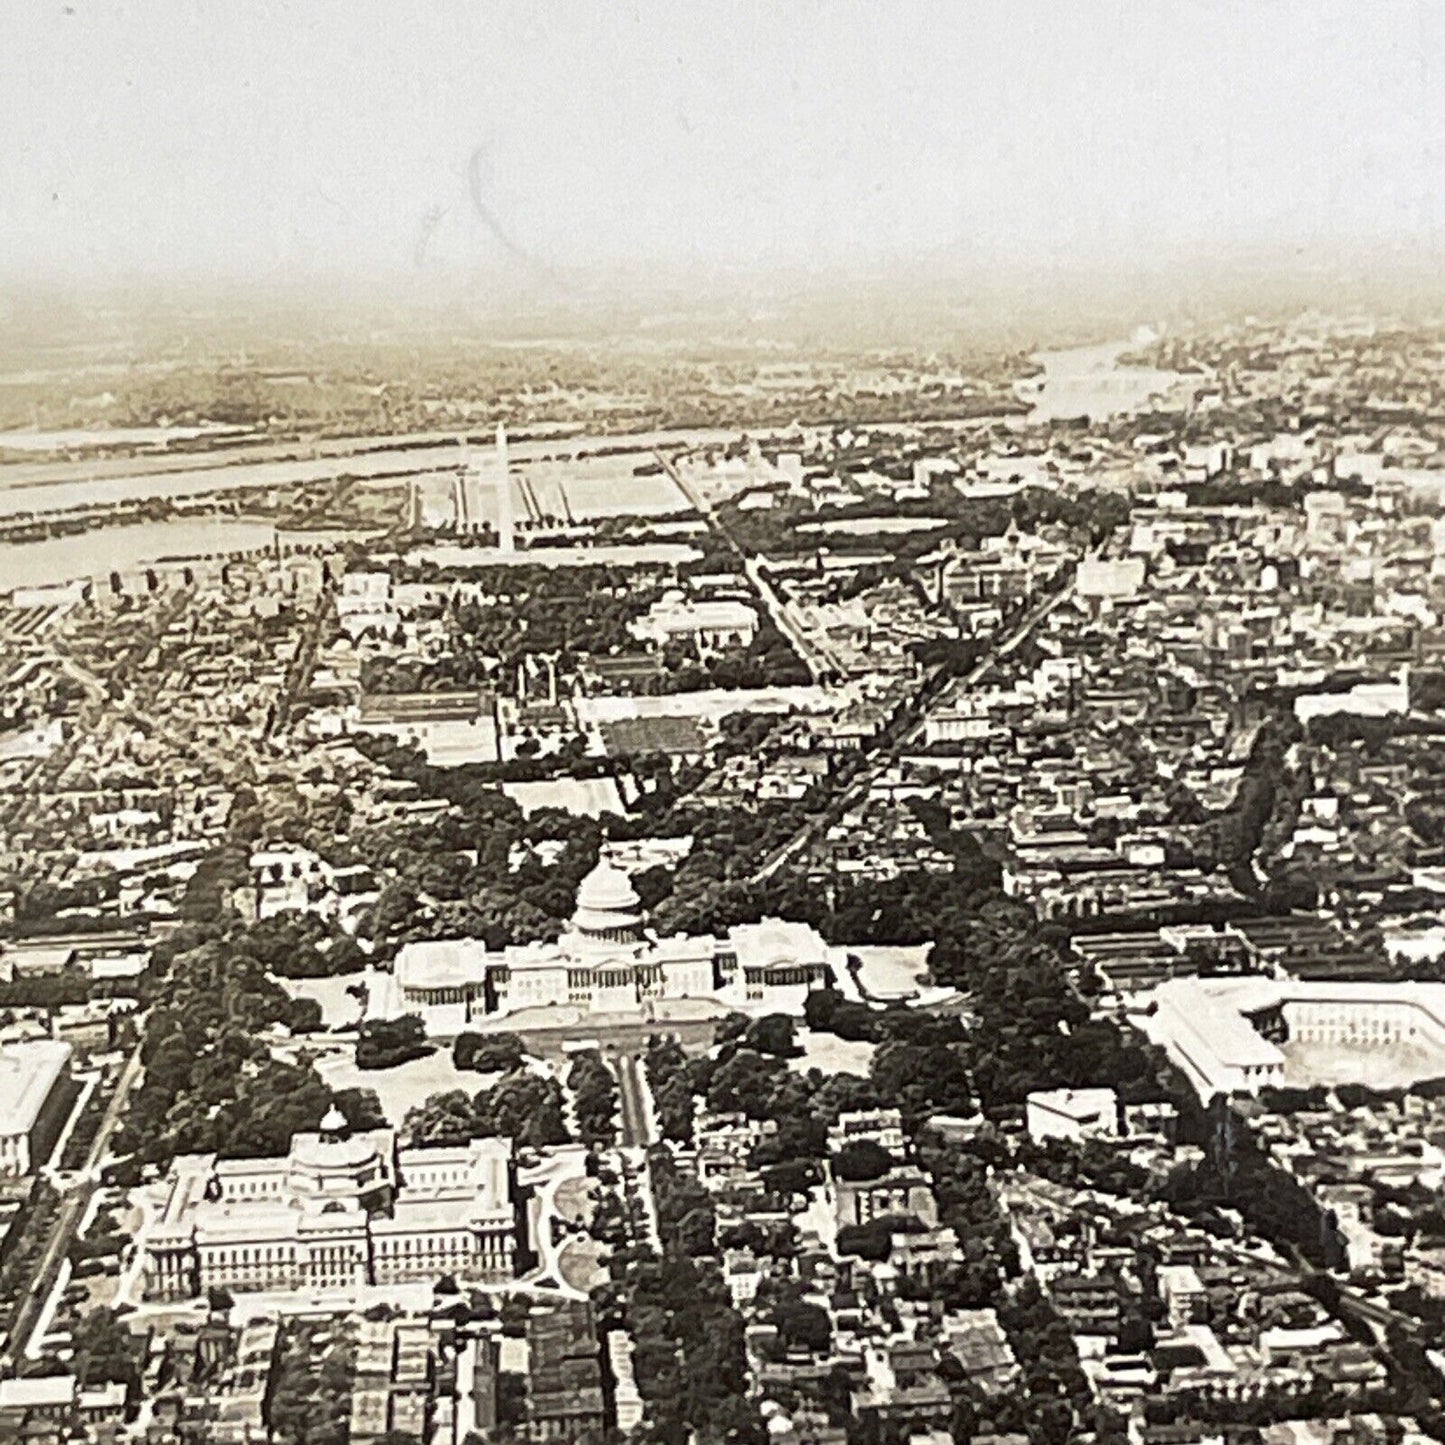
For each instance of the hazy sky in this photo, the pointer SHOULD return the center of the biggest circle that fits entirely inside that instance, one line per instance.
(238, 137)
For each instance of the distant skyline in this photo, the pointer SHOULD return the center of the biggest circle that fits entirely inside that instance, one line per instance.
(548, 142)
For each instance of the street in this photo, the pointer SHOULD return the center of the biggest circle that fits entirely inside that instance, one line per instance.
(72, 1211)
(885, 752)
(633, 1104)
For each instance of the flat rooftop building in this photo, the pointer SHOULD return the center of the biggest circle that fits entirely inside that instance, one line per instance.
(722, 623)
(1236, 1035)
(565, 1399)
(36, 1092)
(1073, 1114)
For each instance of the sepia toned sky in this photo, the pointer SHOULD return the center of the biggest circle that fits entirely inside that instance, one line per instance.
(161, 137)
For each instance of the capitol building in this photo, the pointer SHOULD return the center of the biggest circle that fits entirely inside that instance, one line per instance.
(606, 963)
(340, 1210)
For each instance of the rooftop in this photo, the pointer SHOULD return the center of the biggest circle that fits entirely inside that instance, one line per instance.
(28, 1073)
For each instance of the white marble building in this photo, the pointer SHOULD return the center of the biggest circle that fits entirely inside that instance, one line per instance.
(340, 1210)
(608, 963)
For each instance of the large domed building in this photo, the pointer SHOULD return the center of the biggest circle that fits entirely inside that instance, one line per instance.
(341, 1210)
(608, 908)
(607, 962)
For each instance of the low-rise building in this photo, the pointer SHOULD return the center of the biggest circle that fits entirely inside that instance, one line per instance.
(883, 1127)
(709, 626)
(564, 1374)
(903, 1192)
(977, 1341)
(1073, 1114)
(36, 1094)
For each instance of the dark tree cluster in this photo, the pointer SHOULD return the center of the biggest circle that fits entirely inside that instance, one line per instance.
(594, 1098)
(298, 945)
(385, 1043)
(689, 1352)
(667, 1078)
(488, 1053)
(522, 1106)
(210, 1082)
(769, 660)
(311, 1386)
(24, 1245)
(473, 872)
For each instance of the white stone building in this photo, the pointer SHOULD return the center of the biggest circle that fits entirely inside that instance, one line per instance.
(339, 1211)
(36, 1093)
(1236, 1035)
(606, 962)
(1073, 1114)
(710, 626)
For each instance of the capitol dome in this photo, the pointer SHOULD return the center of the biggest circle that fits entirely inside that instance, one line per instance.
(608, 907)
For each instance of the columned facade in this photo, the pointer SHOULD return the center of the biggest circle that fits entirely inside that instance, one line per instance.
(337, 1213)
(606, 962)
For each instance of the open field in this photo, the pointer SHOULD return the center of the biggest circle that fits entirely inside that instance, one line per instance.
(338, 1008)
(574, 1197)
(584, 797)
(407, 1086)
(833, 1055)
(580, 1264)
(710, 703)
(1381, 1066)
(887, 971)
(596, 487)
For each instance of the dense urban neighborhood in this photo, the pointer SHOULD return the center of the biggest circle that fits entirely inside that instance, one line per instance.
(842, 904)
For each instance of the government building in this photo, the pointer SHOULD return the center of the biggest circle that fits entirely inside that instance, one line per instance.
(607, 963)
(1239, 1035)
(36, 1095)
(341, 1210)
